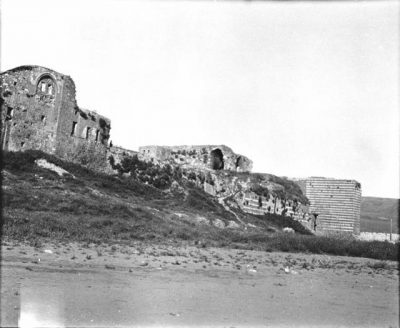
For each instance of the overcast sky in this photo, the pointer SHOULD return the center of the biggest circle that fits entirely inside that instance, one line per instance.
(301, 88)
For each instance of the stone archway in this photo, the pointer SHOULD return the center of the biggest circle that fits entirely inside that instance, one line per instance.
(46, 85)
(217, 159)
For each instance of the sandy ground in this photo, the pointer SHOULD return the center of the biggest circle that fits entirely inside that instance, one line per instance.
(154, 285)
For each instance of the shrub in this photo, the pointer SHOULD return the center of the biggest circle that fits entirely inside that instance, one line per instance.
(158, 176)
(177, 173)
(291, 190)
(260, 190)
(19, 161)
(285, 221)
(192, 176)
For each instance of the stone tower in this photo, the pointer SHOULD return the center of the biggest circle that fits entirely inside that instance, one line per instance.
(336, 203)
(39, 111)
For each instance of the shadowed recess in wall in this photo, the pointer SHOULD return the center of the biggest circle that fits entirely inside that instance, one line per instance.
(217, 159)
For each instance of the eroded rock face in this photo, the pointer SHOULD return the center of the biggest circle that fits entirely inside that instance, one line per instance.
(39, 111)
(206, 157)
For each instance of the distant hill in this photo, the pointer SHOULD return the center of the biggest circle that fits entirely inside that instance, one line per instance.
(372, 208)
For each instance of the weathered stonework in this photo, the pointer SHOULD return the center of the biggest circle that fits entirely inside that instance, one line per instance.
(39, 111)
(260, 205)
(207, 157)
(335, 203)
(238, 187)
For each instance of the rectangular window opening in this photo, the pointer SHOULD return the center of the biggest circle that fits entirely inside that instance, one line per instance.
(43, 118)
(43, 87)
(73, 128)
(97, 135)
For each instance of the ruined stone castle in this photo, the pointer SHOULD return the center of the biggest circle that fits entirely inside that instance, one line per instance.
(39, 111)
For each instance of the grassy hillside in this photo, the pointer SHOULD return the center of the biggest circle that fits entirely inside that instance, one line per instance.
(373, 208)
(89, 207)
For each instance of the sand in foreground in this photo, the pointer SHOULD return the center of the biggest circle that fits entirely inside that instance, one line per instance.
(156, 285)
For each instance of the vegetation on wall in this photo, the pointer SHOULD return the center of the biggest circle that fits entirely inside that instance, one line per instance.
(278, 187)
(260, 190)
(159, 176)
(291, 191)
(85, 155)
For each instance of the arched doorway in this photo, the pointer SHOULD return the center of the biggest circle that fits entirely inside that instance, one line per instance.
(217, 159)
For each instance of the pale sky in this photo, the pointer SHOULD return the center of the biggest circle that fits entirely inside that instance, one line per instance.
(301, 88)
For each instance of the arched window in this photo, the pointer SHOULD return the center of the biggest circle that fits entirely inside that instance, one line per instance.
(46, 86)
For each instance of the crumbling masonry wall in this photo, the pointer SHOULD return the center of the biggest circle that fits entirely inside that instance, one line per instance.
(82, 134)
(260, 205)
(239, 186)
(39, 111)
(205, 157)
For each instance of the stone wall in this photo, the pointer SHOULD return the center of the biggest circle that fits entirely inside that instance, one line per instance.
(239, 186)
(252, 203)
(206, 157)
(82, 134)
(336, 203)
(30, 110)
(39, 111)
